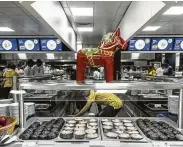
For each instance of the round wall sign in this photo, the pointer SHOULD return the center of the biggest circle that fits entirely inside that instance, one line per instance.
(51, 44)
(7, 45)
(29, 45)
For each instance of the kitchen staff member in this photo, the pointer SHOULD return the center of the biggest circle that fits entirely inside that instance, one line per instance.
(112, 103)
(28, 71)
(38, 69)
(8, 81)
(167, 68)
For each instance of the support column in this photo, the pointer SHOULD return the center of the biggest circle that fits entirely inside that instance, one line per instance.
(180, 115)
(117, 65)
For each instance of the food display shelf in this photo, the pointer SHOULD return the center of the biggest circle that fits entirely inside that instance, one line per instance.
(85, 139)
(104, 137)
(38, 97)
(100, 130)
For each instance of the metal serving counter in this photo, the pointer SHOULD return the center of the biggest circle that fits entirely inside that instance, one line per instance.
(49, 85)
(98, 143)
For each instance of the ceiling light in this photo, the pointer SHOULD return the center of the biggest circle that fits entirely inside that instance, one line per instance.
(175, 10)
(22, 56)
(89, 29)
(50, 55)
(6, 29)
(151, 28)
(82, 11)
(79, 42)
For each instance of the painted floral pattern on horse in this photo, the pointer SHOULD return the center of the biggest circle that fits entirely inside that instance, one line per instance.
(96, 51)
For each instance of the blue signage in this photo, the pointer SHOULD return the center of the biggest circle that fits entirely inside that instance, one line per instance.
(29, 44)
(162, 44)
(8, 45)
(48, 44)
(178, 45)
(139, 44)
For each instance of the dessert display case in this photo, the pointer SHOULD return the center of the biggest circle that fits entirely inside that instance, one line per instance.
(120, 131)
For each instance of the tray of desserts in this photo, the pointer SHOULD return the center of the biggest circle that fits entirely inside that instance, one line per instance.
(121, 130)
(159, 130)
(42, 129)
(80, 129)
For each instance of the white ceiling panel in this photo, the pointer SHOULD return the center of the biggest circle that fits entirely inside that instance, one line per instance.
(80, 3)
(4, 18)
(13, 15)
(7, 4)
(83, 19)
(12, 11)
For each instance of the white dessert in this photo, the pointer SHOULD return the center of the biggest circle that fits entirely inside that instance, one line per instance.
(78, 119)
(90, 131)
(111, 135)
(118, 124)
(108, 123)
(80, 125)
(107, 127)
(79, 132)
(104, 119)
(93, 120)
(118, 131)
(69, 125)
(71, 121)
(133, 132)
(83, 122)
(126, 121)
(116, 120)
(93, 124)
(69, 128)
(131, 128)
(128, 124)
(136, 136)
(92, 127)
(121, 127)
(79, 129)
(92, 136)
(124, 136)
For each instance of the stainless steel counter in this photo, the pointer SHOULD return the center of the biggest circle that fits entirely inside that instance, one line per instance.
(98, 143)
(102, 86)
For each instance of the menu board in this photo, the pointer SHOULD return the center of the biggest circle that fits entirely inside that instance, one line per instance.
(29, 44)
(8, 45)
(139, 44)
(48, 44)
(178, 45)
(162, 44)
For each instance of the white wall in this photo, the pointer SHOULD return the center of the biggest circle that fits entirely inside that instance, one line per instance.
(138, 13)
(54, 16)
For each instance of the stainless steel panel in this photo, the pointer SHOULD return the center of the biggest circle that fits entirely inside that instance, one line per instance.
(102, 86)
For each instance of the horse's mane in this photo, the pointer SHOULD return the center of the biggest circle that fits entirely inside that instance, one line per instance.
(107, 38)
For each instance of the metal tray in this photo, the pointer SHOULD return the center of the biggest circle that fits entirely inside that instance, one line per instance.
(104, 137)
(163, 120)
(38, 119)
(157, 109)
(80, 140)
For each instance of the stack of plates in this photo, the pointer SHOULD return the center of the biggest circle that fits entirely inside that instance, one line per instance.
(173, 104)
(14, 111)
(4, 109)
(30, 108)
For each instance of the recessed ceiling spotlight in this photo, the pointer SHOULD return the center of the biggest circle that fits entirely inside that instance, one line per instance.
(175, 10)
(79, 42)
(85, 29)
(151, 28)
(82, 11)
(6, 29)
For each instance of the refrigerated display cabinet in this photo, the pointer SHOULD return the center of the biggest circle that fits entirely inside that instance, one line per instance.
(104, 137)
